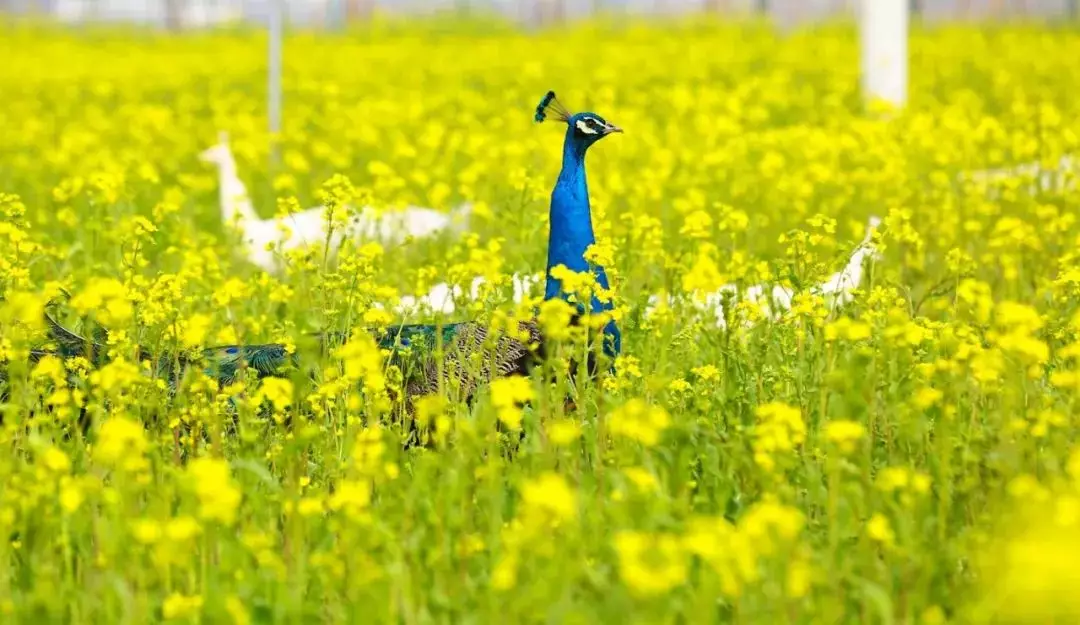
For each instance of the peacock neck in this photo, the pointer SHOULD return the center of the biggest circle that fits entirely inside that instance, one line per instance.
(571, 233)
(233, 194)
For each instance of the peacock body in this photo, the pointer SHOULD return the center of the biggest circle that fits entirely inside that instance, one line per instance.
(459, 357)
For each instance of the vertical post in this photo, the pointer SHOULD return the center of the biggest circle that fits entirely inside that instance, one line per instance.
(174, 15)
(883, 38)
(787, 14)
(716, 6)
(335, 14)
(359, 9)
(273, 87)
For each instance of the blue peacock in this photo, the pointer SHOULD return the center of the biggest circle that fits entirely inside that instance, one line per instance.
(458, 356)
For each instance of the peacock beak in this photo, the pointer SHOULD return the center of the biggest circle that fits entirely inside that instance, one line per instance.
(611, 128)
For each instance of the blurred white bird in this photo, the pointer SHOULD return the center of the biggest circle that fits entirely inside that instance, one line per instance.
(1061, 177)
(441, 298)
(308, 227)
(837, 289)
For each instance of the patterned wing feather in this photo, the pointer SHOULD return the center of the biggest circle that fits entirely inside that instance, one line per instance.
(474, 357)
(456, 357)
(225, 362)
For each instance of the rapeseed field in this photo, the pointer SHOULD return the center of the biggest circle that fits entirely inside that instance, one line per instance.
(908, 456)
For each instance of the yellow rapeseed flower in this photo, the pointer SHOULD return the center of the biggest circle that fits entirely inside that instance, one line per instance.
(650, 564)
(508, 395)
(562, 431)
(218, 496)
(549, 499)
(363, 362)
(25, 308)
(642, 479)
(121, 444)
(196, 330)
(703, 276)
(56, 460)
(106, 298)
(351, 497)
(844, 434)
(639, 421)
(278, 391)
(880, 531)
(179, 606)
(780, 429)
(554, 319)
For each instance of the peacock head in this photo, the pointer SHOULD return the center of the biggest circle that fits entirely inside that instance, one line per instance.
(583, 129)
(219, 154)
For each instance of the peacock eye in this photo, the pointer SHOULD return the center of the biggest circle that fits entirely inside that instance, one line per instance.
(589, 126)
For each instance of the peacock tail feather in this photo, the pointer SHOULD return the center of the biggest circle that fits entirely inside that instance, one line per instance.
(224, 363)
(454, 358)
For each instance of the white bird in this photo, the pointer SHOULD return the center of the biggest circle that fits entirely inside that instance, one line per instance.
(1056, 178)
(440, 298)
(308, 227)
(839, 286)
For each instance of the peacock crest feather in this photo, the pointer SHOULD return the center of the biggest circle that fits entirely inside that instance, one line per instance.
(551, 107)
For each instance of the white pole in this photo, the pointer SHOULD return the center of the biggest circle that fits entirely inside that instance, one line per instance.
(338, 14)
(883, 39)
(273, 94)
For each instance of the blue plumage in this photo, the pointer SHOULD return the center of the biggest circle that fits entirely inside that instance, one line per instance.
(571, 230)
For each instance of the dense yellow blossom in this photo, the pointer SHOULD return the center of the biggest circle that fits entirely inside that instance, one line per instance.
(638, 421)
(278, 391)
(218, 497)
(650, 564)
(508, 395)
(879, 529)
(549, 498)
(780, 430)
(121, 443)
(786, 450)
(844, 434)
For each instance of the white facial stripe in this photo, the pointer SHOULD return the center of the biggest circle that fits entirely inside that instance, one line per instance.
(584, 127)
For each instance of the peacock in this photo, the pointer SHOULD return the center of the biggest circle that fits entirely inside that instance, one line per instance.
(457, 356)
